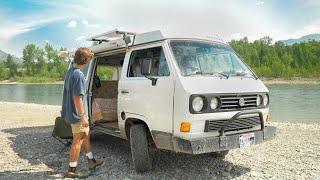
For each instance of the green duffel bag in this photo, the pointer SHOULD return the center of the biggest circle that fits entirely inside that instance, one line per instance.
(61, 129)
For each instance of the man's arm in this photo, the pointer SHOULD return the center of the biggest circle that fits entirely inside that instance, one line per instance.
(78, 102)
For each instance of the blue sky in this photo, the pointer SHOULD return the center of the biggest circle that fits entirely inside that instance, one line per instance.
(68, 23)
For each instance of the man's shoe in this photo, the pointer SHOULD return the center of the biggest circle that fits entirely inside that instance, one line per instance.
(75, 173)
(93, 163)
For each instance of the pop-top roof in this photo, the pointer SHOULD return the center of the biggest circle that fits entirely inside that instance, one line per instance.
(118, 39)
(111, 35)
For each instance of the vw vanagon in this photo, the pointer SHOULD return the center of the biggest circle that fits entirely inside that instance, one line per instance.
(185, 94)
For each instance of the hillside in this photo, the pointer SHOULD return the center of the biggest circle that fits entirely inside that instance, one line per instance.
(3, 57)
(302, 39)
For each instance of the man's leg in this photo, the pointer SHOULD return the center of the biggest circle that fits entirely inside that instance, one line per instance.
(86, 147)
(74, 156)
(75, 149)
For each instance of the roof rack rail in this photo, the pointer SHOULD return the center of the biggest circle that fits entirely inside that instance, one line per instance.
(111, 35)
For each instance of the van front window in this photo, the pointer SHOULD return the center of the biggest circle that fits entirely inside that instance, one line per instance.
(204, 58)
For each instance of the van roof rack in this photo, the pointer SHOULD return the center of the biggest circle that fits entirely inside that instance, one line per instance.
(111, 35)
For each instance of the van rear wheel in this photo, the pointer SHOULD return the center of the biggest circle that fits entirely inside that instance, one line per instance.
(140, 148)
(220, 154)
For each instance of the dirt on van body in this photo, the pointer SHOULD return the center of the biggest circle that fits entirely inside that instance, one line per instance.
(27, 150)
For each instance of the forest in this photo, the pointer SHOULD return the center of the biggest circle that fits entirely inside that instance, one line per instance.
(39, 65)
(279, 60)
(267, 59)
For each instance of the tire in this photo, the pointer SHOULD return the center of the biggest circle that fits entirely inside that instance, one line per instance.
(220, 154)
(140, 149)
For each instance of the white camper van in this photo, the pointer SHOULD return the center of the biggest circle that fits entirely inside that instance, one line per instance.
(185, 94)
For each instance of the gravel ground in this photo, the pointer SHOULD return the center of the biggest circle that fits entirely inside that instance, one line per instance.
(27, 151)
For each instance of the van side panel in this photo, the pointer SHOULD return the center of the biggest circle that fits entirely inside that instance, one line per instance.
(138, 97)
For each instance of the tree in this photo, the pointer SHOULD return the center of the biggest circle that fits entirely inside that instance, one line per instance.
(50, 53)
(4, 71)
(42, 65)
(280, 60)
(13, 67)
(29, 58)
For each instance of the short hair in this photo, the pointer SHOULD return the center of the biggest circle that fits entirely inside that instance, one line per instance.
(82, 56)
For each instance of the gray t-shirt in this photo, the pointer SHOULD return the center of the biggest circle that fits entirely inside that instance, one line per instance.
(73, 85)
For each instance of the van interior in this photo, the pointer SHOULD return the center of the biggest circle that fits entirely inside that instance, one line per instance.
(105, 92)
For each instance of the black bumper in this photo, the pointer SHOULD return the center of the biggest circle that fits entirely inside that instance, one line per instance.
(219, 143)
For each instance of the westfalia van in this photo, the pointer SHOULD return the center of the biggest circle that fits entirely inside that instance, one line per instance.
(185, 94)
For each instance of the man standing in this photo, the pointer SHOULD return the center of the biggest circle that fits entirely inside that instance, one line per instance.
(74, 113)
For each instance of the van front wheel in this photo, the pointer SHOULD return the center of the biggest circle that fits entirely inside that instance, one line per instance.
(139, 148)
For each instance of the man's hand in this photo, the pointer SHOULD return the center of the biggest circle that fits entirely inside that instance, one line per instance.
(77, 99)
(84, 121)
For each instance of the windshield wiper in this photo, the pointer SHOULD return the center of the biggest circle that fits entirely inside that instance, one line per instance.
(221, 74)
(244, 74)
(199, 73)
(211, 74)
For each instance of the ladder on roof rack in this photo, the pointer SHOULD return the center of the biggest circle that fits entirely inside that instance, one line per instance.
(113, 35)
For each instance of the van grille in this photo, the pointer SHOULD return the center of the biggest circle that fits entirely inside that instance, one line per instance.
(232, 102)
(240, 123)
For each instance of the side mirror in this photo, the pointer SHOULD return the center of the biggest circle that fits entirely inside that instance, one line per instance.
(146, 65)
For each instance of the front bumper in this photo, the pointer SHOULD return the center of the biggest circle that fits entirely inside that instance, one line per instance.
(219, 143)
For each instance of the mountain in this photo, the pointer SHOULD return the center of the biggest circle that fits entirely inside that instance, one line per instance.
(302, 39)
(3, 57)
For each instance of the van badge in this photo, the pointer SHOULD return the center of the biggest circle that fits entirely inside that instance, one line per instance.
(241, 102)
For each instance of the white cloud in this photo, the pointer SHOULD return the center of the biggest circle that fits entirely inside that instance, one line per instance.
(46, 41)
(80, 38)
(85, 22)
(310, 2)
(8, 32)
(235, 19)
(14, 28)
(72, 24)
(260, 3)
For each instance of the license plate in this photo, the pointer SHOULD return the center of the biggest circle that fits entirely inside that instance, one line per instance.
(247, 139)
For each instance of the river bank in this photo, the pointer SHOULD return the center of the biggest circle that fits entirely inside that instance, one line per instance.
(293, 81)
(267, 81)
(6, 82)
(27, 150)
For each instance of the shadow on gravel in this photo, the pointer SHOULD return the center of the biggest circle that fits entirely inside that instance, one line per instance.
(36, 145)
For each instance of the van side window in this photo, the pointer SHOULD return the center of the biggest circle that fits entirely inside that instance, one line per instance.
(159, 62)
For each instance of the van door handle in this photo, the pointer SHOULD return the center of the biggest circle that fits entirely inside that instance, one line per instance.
(124, 92)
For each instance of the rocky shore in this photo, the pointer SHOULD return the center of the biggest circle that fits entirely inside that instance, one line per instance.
(27, 151)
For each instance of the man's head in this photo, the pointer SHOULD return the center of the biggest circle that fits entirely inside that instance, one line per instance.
(82, 56)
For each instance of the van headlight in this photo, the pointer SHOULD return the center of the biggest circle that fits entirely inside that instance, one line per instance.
(259, 100)
(197, 104)
(265, 99)
(214, 103)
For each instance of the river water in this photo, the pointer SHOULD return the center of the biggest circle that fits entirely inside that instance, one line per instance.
(288, 103)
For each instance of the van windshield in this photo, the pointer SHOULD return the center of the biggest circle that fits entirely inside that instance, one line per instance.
(205, 58)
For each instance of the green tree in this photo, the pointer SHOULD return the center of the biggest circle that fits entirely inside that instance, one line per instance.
(278, 59)
(50, 54)
(42, 65)
(13, 67)
(29, 58)
(4, 71)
